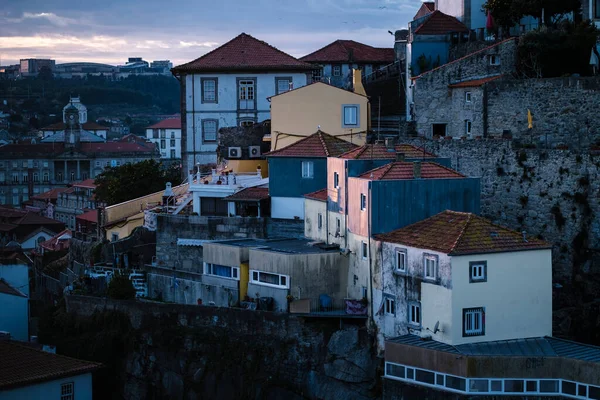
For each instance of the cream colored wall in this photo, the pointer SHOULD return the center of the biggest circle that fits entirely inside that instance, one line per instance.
(312, 209)
(301, 111)
(249, 166)
(517, 295)
(125, 230)
(436, 305)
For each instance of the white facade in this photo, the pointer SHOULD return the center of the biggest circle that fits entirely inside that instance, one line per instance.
(217, 100)
(168, 141)
(315, 219)
(32, 242)
(76, 101)
(287, 207)
(514, 298)
(81, 385)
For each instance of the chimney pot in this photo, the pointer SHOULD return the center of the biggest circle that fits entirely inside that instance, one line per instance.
(417, 169)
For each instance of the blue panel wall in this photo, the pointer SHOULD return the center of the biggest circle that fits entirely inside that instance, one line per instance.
(358, 167)
(285, 176)
(431, 50)
(396, 204)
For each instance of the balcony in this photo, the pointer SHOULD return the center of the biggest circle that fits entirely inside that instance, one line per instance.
(327, 307)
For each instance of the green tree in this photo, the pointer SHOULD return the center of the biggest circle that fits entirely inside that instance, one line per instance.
(129, 181)
(508, 13)
(121, 288)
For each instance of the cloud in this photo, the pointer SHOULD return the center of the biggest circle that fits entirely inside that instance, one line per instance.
(50, 17)
(197, 44)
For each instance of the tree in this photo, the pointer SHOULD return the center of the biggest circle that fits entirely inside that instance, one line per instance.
(508, 13)
(121, 288)
(129, 181)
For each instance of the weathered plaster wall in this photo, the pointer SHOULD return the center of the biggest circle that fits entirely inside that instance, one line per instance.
(312, 210)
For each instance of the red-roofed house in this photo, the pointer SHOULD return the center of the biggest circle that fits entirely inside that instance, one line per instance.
(465, 266)
(77, 200)
(335, 62)
(166, 135)
(229, 86)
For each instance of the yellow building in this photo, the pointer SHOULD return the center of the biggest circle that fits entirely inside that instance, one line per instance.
(301, 112)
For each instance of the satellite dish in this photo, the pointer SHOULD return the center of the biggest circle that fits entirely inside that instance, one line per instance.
(436, 328)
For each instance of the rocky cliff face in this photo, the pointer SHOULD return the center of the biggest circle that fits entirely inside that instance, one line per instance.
(195, 352)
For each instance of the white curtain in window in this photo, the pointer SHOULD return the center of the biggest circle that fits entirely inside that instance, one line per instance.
(350, 115)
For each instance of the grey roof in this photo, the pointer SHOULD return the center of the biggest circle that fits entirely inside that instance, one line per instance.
(532, 347)
(84, 136)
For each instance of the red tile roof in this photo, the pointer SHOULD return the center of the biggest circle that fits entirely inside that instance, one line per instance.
(7, 289)
(474, 82)
(320, 195)
(24, 365)
(51, 194)
(114, 147)
(59, 148)
(438, 23)
(60, 241)
(88, 126)
(426, 8)
(458, 233)
(406, 170)
(244, 53)
(170, 123)
(90, 216)
(310, 85)
(319, 144)
(87, 184)
(382, 152)
(344, 51)
(35, 219)
(250, 194)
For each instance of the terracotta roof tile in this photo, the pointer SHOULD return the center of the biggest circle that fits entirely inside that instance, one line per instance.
(90, 216)
(24, 365)
(319, 144)
(7, 289)
(34, 219)
(250, 194)
(320, 195)
(406, 170)
(60, 241)
(170, 123)
(244, 53)
(344, 51)
(87, 184)
(382, 152)
(438, 23)
(51, 194)
(59, 148)
(474, 82)
(88, 126)
(458, 233)
(426, 8)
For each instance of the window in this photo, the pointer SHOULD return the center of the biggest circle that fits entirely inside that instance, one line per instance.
(45, 164)
(14, 164)
(59, 176)
(478, 385)
(163, 143)
(317, 74)
(2, 177)
(320, 221)
(337, 70)
(401, 260)
(494, 59)
(246, 90)
(467, 97)
(414, 313)
(438, 130)
(350, 116)
(155, 134)
(308, 169)
(35, 164)
(72, 176)
(363, 202)
(336, 180)
(173, 155)
(283, 85)
(25, 178)
(46, 177)
(473, 322)
(163, 133)
(15, 178)
(209, 90)
(390, 306)
(269, 279)
(114, 237)
(172, 142)
(513, 386)
(430, 266)
(596, 9)
(364, 250)
(222, 271)
(209, 130)
(24, 164)
(477, 271)
(394, 370)
(468, 125)
(456, 383)
(338, 226)
(118, 163)
(67, 391)
(36, 177)
(98, 164)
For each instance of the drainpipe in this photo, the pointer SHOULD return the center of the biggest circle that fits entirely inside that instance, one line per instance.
(369, 207)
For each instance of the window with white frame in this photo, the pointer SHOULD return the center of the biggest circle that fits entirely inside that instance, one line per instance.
(336, 180)
(350, 116)
(317, 74)
(221, 271)
(209, 90)
(401, 260)
(67, 391)
(494, 59)
(389, 306)
(363, 202)
(269, 279)
(337, 70)
(308, 169)
(414, 313)
(46, 177)
(209, 130)
(364, 249)
(283, 85)
(467, 97)
(45, 164)
(477, 271)
(320, 221)
(430, 266)
(473, 321)
(468, 126)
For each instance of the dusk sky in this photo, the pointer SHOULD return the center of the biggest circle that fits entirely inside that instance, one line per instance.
(113, 30)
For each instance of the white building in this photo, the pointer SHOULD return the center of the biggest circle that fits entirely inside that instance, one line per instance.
(457, 278)
(166, 135)
(229, 86)
(29, 373)
(90, 131)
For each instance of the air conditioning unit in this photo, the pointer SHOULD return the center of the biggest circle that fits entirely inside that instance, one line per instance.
(234, 152)
(254, 151)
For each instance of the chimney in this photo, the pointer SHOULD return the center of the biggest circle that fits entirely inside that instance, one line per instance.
(417, 169)
(400, 156)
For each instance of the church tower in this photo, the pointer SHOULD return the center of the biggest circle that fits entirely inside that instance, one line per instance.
(72, 127)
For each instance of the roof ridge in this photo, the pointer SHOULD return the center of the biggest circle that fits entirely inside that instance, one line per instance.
(463, 230)
(325, 148)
